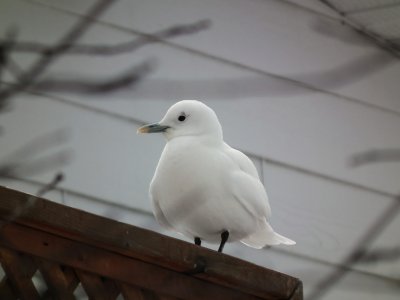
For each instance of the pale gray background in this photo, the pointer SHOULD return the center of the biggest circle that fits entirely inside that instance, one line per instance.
(293, 88)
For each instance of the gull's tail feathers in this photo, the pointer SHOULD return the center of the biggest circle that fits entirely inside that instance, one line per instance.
(266, 236)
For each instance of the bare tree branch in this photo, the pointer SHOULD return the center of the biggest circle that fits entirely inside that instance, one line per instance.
(129, 78)
(374, 156)
(37, 69)
(123, 80)
(51, 185)
(5, 49)
(380, 255)
(130, 46)
(5, 59)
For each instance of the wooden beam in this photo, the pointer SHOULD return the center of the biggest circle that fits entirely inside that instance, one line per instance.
(112, 265)
(96, 287)
(148, 246)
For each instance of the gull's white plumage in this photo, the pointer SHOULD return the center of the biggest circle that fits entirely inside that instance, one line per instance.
(202, 186)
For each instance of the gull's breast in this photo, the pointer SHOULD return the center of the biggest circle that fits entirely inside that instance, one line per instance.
(190, 188)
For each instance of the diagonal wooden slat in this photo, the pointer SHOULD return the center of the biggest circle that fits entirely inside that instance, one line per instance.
(19, 270)
(55, 279)
(96, 287)
(6, 290)
(131, 292)
(71, 277)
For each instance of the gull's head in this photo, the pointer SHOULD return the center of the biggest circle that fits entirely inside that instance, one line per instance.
(187, 118)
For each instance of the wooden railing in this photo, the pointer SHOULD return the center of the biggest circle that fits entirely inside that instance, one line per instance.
(51, 251)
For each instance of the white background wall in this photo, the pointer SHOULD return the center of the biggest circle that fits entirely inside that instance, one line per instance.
(293, 88)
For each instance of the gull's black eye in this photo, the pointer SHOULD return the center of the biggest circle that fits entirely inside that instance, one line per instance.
(182, 118)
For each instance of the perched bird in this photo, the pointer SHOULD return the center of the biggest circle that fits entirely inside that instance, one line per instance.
(205, 189)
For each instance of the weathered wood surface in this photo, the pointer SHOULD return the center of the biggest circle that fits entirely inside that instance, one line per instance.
(138, 261)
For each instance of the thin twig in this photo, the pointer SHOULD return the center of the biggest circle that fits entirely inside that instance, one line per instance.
(92, 86)
(51, 185)
(380, 255)
(5, 59)
(374, 156)
(130, 46)
(371, 8)
(125, 79)
(5, 46)
(42, 63)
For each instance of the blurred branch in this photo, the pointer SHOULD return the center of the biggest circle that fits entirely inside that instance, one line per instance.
(379, 255)
(374, 156)
(44, 61)
(51, 185)
(6, 62)
(82, 49)
(5, 49)
(123, 80)
(356, 255)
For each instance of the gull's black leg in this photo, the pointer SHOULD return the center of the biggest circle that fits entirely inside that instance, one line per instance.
(197, 241)
(224, 238)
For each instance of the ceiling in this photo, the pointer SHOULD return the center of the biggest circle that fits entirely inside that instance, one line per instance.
(378, 19)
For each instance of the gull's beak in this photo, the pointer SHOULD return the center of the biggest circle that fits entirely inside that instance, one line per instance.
(150, 128)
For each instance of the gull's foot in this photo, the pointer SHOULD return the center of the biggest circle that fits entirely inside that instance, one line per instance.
(197, 241)
(224, 238)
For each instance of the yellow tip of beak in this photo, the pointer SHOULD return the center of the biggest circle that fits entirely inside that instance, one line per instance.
(143, 129)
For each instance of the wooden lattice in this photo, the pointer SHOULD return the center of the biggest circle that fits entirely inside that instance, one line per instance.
(56, 252)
